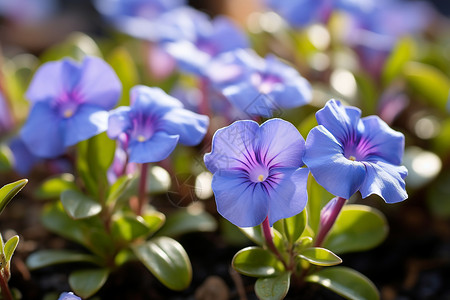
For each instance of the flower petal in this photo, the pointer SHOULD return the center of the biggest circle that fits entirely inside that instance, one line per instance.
(152, 100)
(191, 127)
(231, 146)
(88, 121)
(157, 148)
(42, 133)
(327, 163)
(342, 121)
(99, 84)
(52, 80)
(384, 142)
(385, 180)
(281, 145)
(239, 201)
(118, 121)
(289, 197)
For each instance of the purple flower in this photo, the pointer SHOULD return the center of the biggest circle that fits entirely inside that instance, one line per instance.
(70, 104)
(257, 171)
(24, 160)
(258, 86)
(154, 124)
(199, 39)
(68, 296)
(27, 11)
(346, 154)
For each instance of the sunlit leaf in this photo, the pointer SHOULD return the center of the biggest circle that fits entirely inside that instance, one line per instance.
(320, 256)
(186, 220)
(86, 283)
(345, 282)
(167, 260)
(401, 54)
(78, 205)
(257, 262)
(8, 191)
(45, 258)
(53, 187)
(10, 247)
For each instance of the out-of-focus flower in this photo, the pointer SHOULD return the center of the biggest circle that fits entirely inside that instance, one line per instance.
(258, 86)
(200, 39)
(138, 18)
(257, 171)
(70, 103)
(154, 124)
(6, 121)
(346, 153)
(27, 11)
(68, 296)
(24, 160)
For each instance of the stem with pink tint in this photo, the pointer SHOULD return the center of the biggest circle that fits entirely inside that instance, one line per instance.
(269, 239)
(331, 219)
(142, 194)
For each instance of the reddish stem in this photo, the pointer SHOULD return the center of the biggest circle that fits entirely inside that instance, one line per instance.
(325, 228)
(269, 239)
(6, 293)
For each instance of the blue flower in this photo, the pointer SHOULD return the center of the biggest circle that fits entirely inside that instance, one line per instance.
(70, 103)
(68, 296)
(199, 39)
(346, 154)
(257, 171)
(154, 124)
(258, 86)
(138, 18)
(24, 160)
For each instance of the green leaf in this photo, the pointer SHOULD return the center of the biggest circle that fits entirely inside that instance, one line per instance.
(10, 247)
(154, 220)
(345, 282)
(167, 260)
(255, 234)
(273, 288)
(184, 221)
(124, 66)
(78, 205)
(129, 227)
(8, 191)
(6, 158)
(77, 45)
(100, 153)
(53, 187)
(45, 258)
(438, 195)
(257, 262)
(429, 82)
(400, 55)
(86, 283)
(293, 227)
(318, 197)
(320, 256)
(368, 92)
(304, 242)
(357, 228)
(117, 190)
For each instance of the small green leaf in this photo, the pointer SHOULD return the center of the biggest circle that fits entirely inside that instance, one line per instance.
(129, 227)
(86, 283)
(357, 228)
(293, 227)
(304, 242)
(78, 205)
(184, 221)
(6, 158)
(154, 220)
(100, 153)
(257, 262)
(8, 191)
(429, 82)
(77, 45)
(53, 187)
(167, 260)
(10, 247)
(255, 234)
(45, 258)
(345, 282)
(400, 55)
(320, 256)
(273, 288)
(118, 188)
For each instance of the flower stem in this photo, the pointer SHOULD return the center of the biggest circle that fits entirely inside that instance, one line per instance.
(269, 239)
(6, 293)
(142, 195)
(325, 228)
